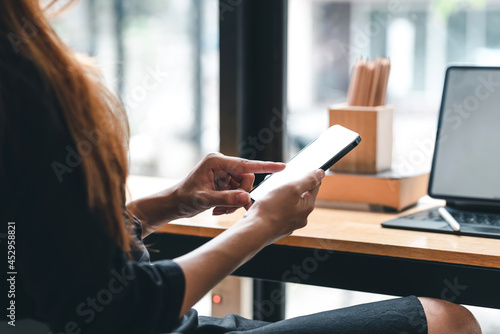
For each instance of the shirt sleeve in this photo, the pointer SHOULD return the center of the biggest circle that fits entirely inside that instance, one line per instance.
(71, 274)
(139, 251)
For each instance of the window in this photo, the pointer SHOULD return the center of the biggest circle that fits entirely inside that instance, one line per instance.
(420, 37)
(162, 59)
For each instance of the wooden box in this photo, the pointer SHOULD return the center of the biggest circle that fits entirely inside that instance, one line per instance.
(374, 125)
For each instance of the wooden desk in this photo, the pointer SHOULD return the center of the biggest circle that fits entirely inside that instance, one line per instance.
(350, 250)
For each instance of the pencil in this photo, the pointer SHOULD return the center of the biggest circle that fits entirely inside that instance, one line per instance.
(385, 82)
(368, 82)
(370, 70)
(351, 96)
(375, 82)
(360, 87)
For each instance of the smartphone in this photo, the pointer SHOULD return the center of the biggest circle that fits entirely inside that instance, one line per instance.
(323, 152)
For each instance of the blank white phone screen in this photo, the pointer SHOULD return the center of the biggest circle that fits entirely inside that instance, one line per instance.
(328, 145)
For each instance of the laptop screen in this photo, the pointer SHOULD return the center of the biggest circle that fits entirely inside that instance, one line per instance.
(466, 162)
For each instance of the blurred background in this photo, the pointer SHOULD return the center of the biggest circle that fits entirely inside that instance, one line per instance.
(162, 58)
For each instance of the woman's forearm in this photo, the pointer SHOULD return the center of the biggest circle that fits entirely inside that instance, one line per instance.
(272, 218)
(206, 266)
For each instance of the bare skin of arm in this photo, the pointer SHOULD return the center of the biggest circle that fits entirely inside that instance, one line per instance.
(217, 181)
(268, 220)
(224, 182)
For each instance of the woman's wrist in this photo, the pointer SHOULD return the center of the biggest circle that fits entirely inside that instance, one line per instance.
(156, 210)
(256, 227)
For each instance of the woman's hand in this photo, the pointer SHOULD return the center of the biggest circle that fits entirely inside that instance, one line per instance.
(221, 182)
(277, 215)
(286, 209)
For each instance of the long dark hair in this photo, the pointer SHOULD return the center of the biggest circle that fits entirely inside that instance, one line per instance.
(75, 78)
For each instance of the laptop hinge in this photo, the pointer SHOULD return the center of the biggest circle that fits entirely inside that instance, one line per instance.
(471, 205)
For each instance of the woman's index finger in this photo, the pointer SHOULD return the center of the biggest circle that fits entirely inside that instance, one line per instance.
(239, 165)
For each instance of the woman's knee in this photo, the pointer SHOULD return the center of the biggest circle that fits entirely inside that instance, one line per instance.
(444, 317)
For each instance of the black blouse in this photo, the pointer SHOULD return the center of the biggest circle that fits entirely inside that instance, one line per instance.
(70, 274)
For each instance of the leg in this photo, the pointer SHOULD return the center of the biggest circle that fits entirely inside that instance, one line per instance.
(446, 317)
(395, 316)
(399, 316)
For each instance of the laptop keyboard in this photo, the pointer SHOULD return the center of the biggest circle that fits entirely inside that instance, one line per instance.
(462, 217)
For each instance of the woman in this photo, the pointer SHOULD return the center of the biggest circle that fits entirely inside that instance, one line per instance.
(82, 267)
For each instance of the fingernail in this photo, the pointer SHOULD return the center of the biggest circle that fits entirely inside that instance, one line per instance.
(320, 173)
(243, 198)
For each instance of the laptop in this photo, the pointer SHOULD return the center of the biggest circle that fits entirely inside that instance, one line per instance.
(466, 163)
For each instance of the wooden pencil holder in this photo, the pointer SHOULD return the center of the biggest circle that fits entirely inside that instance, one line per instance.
(374, 125)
